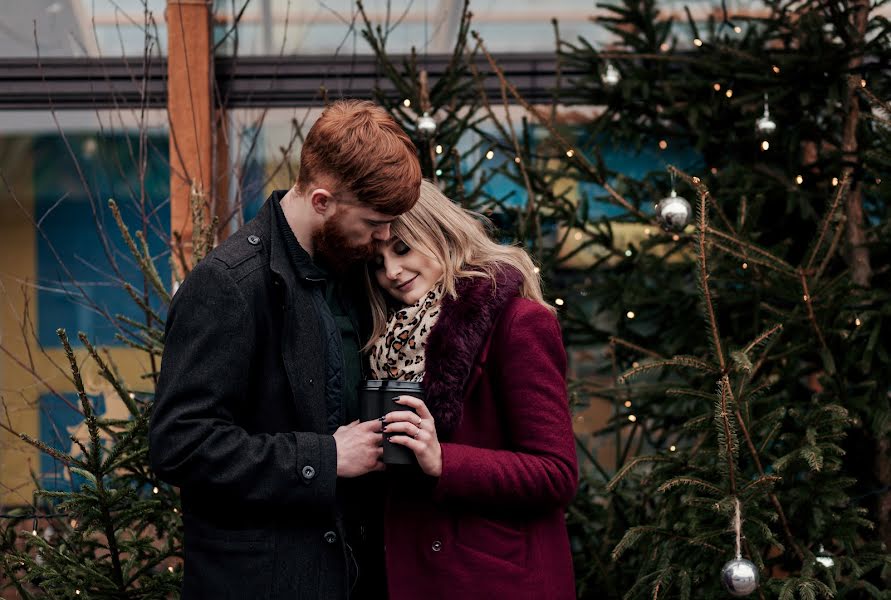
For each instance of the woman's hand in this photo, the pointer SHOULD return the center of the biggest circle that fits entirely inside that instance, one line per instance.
(417, 433)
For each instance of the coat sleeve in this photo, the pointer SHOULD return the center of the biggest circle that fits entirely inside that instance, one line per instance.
(540, 471)
(193, 438)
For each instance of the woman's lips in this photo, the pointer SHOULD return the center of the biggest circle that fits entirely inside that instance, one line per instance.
(404, 287)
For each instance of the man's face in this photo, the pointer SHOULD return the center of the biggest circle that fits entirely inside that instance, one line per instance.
(348, 236)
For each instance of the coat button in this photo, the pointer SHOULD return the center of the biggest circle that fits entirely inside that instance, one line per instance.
(330, 537)
(308, 472)
(437, 546)
(253, 240)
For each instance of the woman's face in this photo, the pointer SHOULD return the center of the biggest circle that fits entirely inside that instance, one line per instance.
(405, 273)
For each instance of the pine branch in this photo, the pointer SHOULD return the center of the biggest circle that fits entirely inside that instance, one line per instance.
(146, 264)
(690, 362)
(630, 466)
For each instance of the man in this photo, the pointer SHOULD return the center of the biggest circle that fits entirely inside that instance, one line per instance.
(256, 409)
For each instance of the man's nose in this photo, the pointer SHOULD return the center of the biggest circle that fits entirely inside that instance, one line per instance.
(382, 234)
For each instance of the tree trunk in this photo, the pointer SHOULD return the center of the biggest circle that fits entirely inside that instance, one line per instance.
(856, 252)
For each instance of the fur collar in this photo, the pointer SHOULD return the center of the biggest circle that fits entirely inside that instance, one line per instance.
(463, 326)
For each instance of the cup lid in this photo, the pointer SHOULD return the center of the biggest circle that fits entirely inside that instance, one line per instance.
(392, 385)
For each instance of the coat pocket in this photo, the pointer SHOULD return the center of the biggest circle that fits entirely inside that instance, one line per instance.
(228, 564)
(498, 539)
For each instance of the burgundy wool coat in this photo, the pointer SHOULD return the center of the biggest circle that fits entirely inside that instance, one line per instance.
(492, 525)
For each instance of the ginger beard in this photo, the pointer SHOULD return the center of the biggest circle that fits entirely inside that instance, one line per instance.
(333, 246)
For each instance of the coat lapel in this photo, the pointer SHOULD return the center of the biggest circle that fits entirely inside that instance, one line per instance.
(457, 340)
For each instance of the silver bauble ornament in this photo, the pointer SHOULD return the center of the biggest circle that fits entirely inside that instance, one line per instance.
(674, 212)
(825, 558)
(740, 577)
(611, 75)
(426, 124)
(765, 124)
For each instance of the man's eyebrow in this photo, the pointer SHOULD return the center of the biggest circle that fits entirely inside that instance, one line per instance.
(380, 221)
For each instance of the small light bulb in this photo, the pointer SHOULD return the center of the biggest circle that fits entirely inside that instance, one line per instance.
(632, 418)
(559, 301)
(697, 42)
(635, 364)
(745, 265)
(776, 69)
(736, 29)
(155, 490)
(627, 403)
(630, 314)
(805, 297)
(132, 396)
(729, 93)
(834, 181)
(676, 237)
(673, 448)
(33, 532)
(170, 569)
(406, 103)
(663, 144)
(578, 235)
(863, 83)
(439, 172)
(570, 153)
(628, 252)
(858, 322)
(647, 231)
(536, 269)
(439, 148)
(664, 46)
(799, 179)
(765, 145)
(77, 592)
(517, 159)
(717, 87)
(490, 155)
(176, 511)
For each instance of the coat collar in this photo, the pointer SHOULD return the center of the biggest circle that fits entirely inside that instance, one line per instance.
(284, 247)
(457, 339)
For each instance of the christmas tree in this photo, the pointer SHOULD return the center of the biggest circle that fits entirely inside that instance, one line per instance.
(743, 327)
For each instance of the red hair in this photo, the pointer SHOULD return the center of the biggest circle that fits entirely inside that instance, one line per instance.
(356, 146)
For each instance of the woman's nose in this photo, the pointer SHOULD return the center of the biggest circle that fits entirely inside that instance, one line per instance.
(393, 269)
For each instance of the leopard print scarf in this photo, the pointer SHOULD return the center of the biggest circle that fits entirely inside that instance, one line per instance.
(399, 352)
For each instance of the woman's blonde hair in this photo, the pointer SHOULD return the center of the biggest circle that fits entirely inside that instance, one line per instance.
(457, 239)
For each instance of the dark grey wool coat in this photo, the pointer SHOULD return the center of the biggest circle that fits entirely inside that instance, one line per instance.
(242, 424)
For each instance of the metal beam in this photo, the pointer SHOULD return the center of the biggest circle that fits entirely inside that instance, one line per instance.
(285, 81)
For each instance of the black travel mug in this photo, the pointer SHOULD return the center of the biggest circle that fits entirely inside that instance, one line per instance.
(376, 399)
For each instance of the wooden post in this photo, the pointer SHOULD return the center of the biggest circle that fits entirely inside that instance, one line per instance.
(198, 149)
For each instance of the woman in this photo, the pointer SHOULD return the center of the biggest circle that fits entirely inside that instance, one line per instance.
(494, 438)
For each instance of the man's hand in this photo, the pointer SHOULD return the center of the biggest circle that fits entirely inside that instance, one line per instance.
(359, 448)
